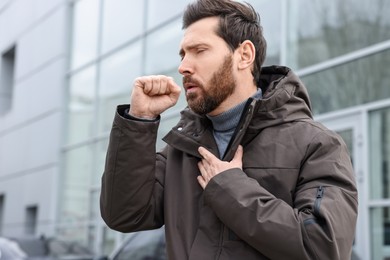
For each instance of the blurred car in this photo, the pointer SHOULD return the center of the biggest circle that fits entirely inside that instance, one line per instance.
(31, 248)
(143, 245)
(10, 250)
(150, 245)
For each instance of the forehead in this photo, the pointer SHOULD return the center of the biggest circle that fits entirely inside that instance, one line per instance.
(201, 32)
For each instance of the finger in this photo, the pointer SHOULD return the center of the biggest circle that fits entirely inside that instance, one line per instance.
(145, 83)
(202, 168)
(173, 89)
(201, 181)
(156, 85)
(208, 156)
(237, 159)
(238, 154)
(164, 86)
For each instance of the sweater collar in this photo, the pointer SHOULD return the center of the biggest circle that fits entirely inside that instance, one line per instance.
(229, 119)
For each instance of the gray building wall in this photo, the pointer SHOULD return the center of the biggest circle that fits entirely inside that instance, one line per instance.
(31, 129)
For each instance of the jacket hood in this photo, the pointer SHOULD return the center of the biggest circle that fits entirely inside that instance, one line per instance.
(285, 98)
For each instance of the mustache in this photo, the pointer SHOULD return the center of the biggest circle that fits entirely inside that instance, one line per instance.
(190, 79)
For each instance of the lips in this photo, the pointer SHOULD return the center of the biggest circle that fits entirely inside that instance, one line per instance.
(190, 85)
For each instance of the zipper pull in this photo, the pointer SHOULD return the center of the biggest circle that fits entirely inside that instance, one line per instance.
(320, 192)
(317, 202)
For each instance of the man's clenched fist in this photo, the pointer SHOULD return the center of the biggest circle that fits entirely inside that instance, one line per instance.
(152, 95)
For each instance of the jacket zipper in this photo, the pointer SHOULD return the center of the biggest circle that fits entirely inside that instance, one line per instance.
(238, 134)
(317, 203)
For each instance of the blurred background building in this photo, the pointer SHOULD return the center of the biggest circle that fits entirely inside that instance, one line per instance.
(66, 64)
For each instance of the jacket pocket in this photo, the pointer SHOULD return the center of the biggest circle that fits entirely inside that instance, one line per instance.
(316, 227)
(318, 218)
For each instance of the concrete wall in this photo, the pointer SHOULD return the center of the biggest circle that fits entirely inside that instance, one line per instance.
(31, 131)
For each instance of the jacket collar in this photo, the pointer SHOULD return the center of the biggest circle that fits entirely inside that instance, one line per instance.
(285, 99)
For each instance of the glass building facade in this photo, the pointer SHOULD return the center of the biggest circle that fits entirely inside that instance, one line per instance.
(340, 49)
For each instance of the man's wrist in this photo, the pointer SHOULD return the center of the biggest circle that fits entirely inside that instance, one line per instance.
(128, 115)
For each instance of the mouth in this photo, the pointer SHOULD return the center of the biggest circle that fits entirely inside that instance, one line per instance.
(190, 87)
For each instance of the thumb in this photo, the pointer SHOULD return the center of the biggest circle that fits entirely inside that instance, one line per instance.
(174, 89)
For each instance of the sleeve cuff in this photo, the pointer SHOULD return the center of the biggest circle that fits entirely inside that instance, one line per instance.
(123, 110)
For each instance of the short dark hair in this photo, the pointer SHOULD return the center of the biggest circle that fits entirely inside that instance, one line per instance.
(238, 22)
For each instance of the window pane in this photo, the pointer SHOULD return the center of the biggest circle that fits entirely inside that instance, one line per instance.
(269, 11)
(162, 49)
(117, 75)
(348, 85)
(379, 123)
(380, 233)
(31, 220)
(123, 20)
(109, 239)
(85, 31)
(77, 233)
(76, 185)
(94, 214)
(101, 150)
(81, 106)
(161, 11)
(347, 136)
(335, 28)
(7, 81)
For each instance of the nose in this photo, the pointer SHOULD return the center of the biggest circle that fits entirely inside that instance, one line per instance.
(185, 67)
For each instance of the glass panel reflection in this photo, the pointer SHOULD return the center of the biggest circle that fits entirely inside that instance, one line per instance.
(85, 32)
(81, 106)
(379, 134)
(101, 150)
(347, 136)
(268, 11)
(380, 233)
(76, 184)
(117, 75)
(122, 20)
(359, 82)
(335, 28)
(109, 238)
(161, 11)
(76, 233)
(162, 49)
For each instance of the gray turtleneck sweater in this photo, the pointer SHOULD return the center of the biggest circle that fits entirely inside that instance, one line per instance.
(225, 124)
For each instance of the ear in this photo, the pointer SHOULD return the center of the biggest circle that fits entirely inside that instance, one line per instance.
(246, 52)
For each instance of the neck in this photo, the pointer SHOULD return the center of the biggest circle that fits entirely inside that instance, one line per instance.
(239, 95)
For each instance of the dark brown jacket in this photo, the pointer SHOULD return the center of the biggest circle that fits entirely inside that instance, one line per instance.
(295, 198)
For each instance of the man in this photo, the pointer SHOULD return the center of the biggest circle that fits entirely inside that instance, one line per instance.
(246, 173)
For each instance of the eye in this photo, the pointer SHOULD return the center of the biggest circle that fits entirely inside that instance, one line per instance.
(182, 54)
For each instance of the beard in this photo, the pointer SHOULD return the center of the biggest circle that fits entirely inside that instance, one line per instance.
(220, 87)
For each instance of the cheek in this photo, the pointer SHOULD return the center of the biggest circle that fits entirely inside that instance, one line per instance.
(207, 71)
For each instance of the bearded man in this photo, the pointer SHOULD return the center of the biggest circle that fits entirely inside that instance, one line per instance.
(246, 173)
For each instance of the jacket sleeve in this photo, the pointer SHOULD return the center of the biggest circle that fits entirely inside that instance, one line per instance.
(319, 225)
(131, 197)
